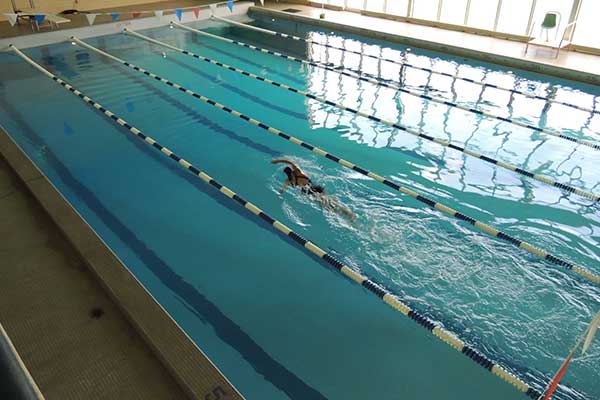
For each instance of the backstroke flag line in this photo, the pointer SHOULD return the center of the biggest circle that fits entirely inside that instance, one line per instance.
(589, 334)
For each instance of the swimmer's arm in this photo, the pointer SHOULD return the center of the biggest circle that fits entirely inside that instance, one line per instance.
(282, 161)
(285, 185)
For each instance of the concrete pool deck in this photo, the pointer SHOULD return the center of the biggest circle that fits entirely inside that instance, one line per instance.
(83, 325)
(569, 65)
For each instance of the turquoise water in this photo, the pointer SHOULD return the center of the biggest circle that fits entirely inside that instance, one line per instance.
(277, 322)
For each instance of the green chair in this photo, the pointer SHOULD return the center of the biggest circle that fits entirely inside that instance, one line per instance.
(550, 22)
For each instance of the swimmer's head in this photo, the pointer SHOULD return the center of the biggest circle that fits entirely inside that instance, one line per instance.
(288, 172)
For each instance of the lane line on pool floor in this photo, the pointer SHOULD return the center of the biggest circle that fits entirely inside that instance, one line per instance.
(423, 199)
(439, 100)
(390, 299)
(541, 178)
(401, 63)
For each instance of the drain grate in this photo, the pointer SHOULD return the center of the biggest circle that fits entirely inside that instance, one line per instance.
(292, 10)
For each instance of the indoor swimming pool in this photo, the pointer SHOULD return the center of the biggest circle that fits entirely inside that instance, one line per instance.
(277, 321)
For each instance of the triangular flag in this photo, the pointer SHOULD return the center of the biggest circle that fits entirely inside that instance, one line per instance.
(213, 9)
(114, 16)
(230, 5)
(12, 19)
(40, 18)
(179, 13)
(591, 333)
(91, 18)
(136, 14)
(158, 13)
(196, 11)
(262, 2)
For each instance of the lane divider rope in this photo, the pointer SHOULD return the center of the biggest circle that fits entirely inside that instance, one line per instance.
(439, 100)
(541, 178)
(401, 63)
(390, 299)
(423, 199)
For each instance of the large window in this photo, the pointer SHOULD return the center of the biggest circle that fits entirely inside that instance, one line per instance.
(516, 17)
(454, 12)
(397, 7)
(426, 9)
(356, 4)
(562, 7)
(587, 30)
(375, 5)
(482, 14)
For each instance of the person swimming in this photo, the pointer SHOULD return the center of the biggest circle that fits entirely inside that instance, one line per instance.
(296, 177)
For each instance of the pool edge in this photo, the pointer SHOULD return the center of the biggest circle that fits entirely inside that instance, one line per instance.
(186, 362)
(507, 61)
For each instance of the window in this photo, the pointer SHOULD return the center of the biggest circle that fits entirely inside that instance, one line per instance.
(482, 14)
(514, 16)
(587, 30)
(453, 11)
(397, 7)
(356, 4)
(426, 9)
(375, 5)
(562, 7)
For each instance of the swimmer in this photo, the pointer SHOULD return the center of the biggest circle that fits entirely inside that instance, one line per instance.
(297, 178)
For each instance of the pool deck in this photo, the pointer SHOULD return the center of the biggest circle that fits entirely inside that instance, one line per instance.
(569, 65)
(83, 325)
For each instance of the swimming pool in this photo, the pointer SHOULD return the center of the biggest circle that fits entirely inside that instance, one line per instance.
(276, 321)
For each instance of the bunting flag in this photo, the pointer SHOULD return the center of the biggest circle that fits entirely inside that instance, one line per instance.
(12, 19)
(91, 18)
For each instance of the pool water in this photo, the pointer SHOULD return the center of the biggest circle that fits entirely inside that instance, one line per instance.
(279, 323)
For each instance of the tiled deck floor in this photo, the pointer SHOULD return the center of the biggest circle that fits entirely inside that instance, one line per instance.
(48, 298)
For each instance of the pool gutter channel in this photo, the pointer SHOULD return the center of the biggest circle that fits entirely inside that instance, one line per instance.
(513, 62)
(392, 300)
(185, 361)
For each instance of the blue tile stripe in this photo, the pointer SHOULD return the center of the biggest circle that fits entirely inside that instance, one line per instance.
(538, 177)
(439, 206)
(392, 300)
(439, 100)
